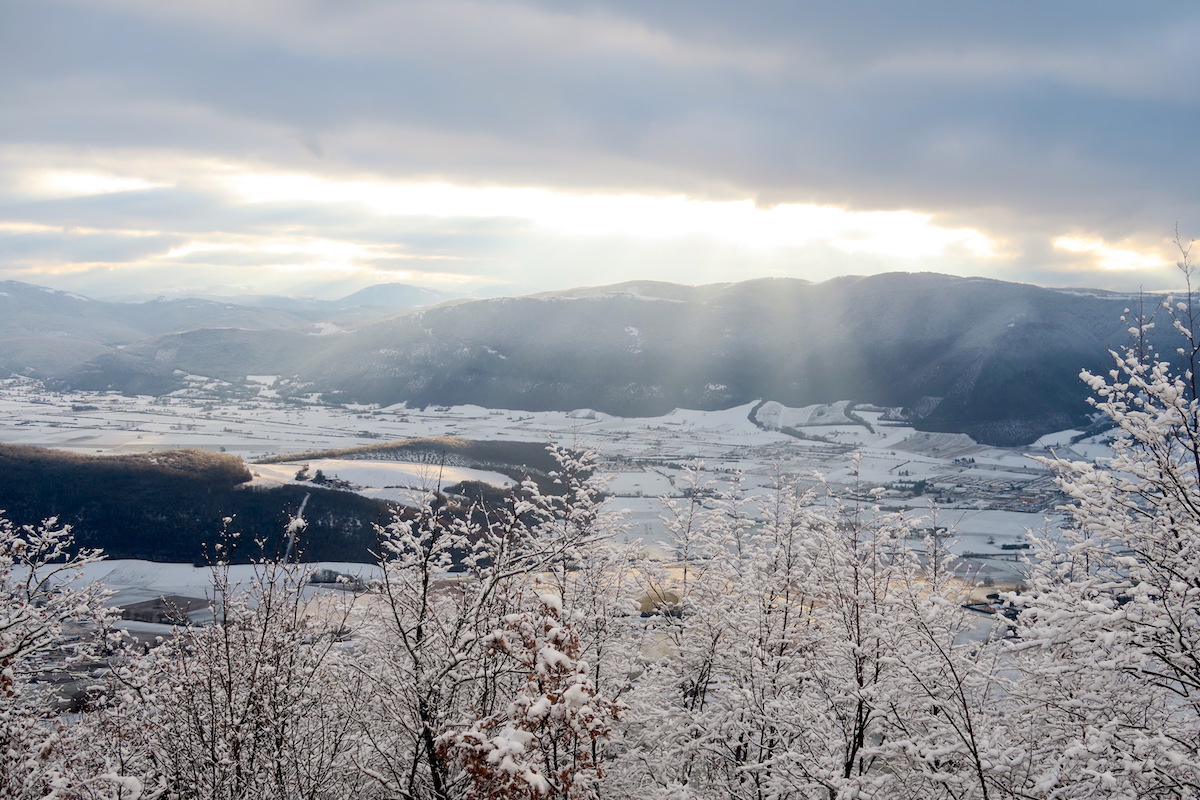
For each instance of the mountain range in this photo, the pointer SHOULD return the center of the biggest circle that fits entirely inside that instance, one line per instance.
(997, 360)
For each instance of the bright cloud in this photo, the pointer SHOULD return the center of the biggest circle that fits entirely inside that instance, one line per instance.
(73, 230)
(1109, 257)
(159, 145)
(84, 184)
(902, 234)
(316, 255)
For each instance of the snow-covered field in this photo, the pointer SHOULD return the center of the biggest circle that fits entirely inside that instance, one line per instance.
(776, 415)
(135, 581)
(988, 496)
(398, 481)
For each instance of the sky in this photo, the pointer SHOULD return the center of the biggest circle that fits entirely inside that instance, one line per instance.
(491, 147)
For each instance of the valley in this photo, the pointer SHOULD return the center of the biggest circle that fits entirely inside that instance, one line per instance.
(986, 497)
(997, 361)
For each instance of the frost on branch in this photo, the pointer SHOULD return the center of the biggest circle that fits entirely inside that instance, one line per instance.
(1110, 629)
(260, 704)
(450, 582)
(548, 741)
(49, 621)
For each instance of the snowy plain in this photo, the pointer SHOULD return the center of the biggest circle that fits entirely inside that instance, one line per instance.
(987, 497)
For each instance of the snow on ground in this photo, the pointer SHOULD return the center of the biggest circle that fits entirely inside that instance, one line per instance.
(135, 580)
(639, 484)
(1057, 439)
(731, 421)
(325, 329)
(984, 492)
(263, 425)
(366, 474)
(1088, 449)
(776, 415)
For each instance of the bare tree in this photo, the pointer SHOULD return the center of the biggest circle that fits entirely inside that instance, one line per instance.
(1110, 630)
(450, 582)
(50, 622)
(260, 703)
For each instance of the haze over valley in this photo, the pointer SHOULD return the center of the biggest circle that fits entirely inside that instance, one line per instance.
(997, 361)
(929, 388)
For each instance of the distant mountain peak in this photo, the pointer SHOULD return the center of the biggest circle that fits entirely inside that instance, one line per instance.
(393, 295)
(26, 288)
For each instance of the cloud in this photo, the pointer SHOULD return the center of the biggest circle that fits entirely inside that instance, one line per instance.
(990, 128)
(1111, 257)
(37, 247)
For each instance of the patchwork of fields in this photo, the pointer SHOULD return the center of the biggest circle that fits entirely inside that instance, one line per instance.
(987, 496)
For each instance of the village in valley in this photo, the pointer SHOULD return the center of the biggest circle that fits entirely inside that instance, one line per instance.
(981, 500)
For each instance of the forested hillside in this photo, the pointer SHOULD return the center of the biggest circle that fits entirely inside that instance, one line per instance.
(171, 506)
(996, 360)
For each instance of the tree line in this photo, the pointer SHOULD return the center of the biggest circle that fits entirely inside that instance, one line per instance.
(169, 506)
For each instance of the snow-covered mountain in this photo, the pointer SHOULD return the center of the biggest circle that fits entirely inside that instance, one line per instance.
(46, 331)
(994, 359)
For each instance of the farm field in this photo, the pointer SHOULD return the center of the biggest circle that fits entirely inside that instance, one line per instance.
(987, 497)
